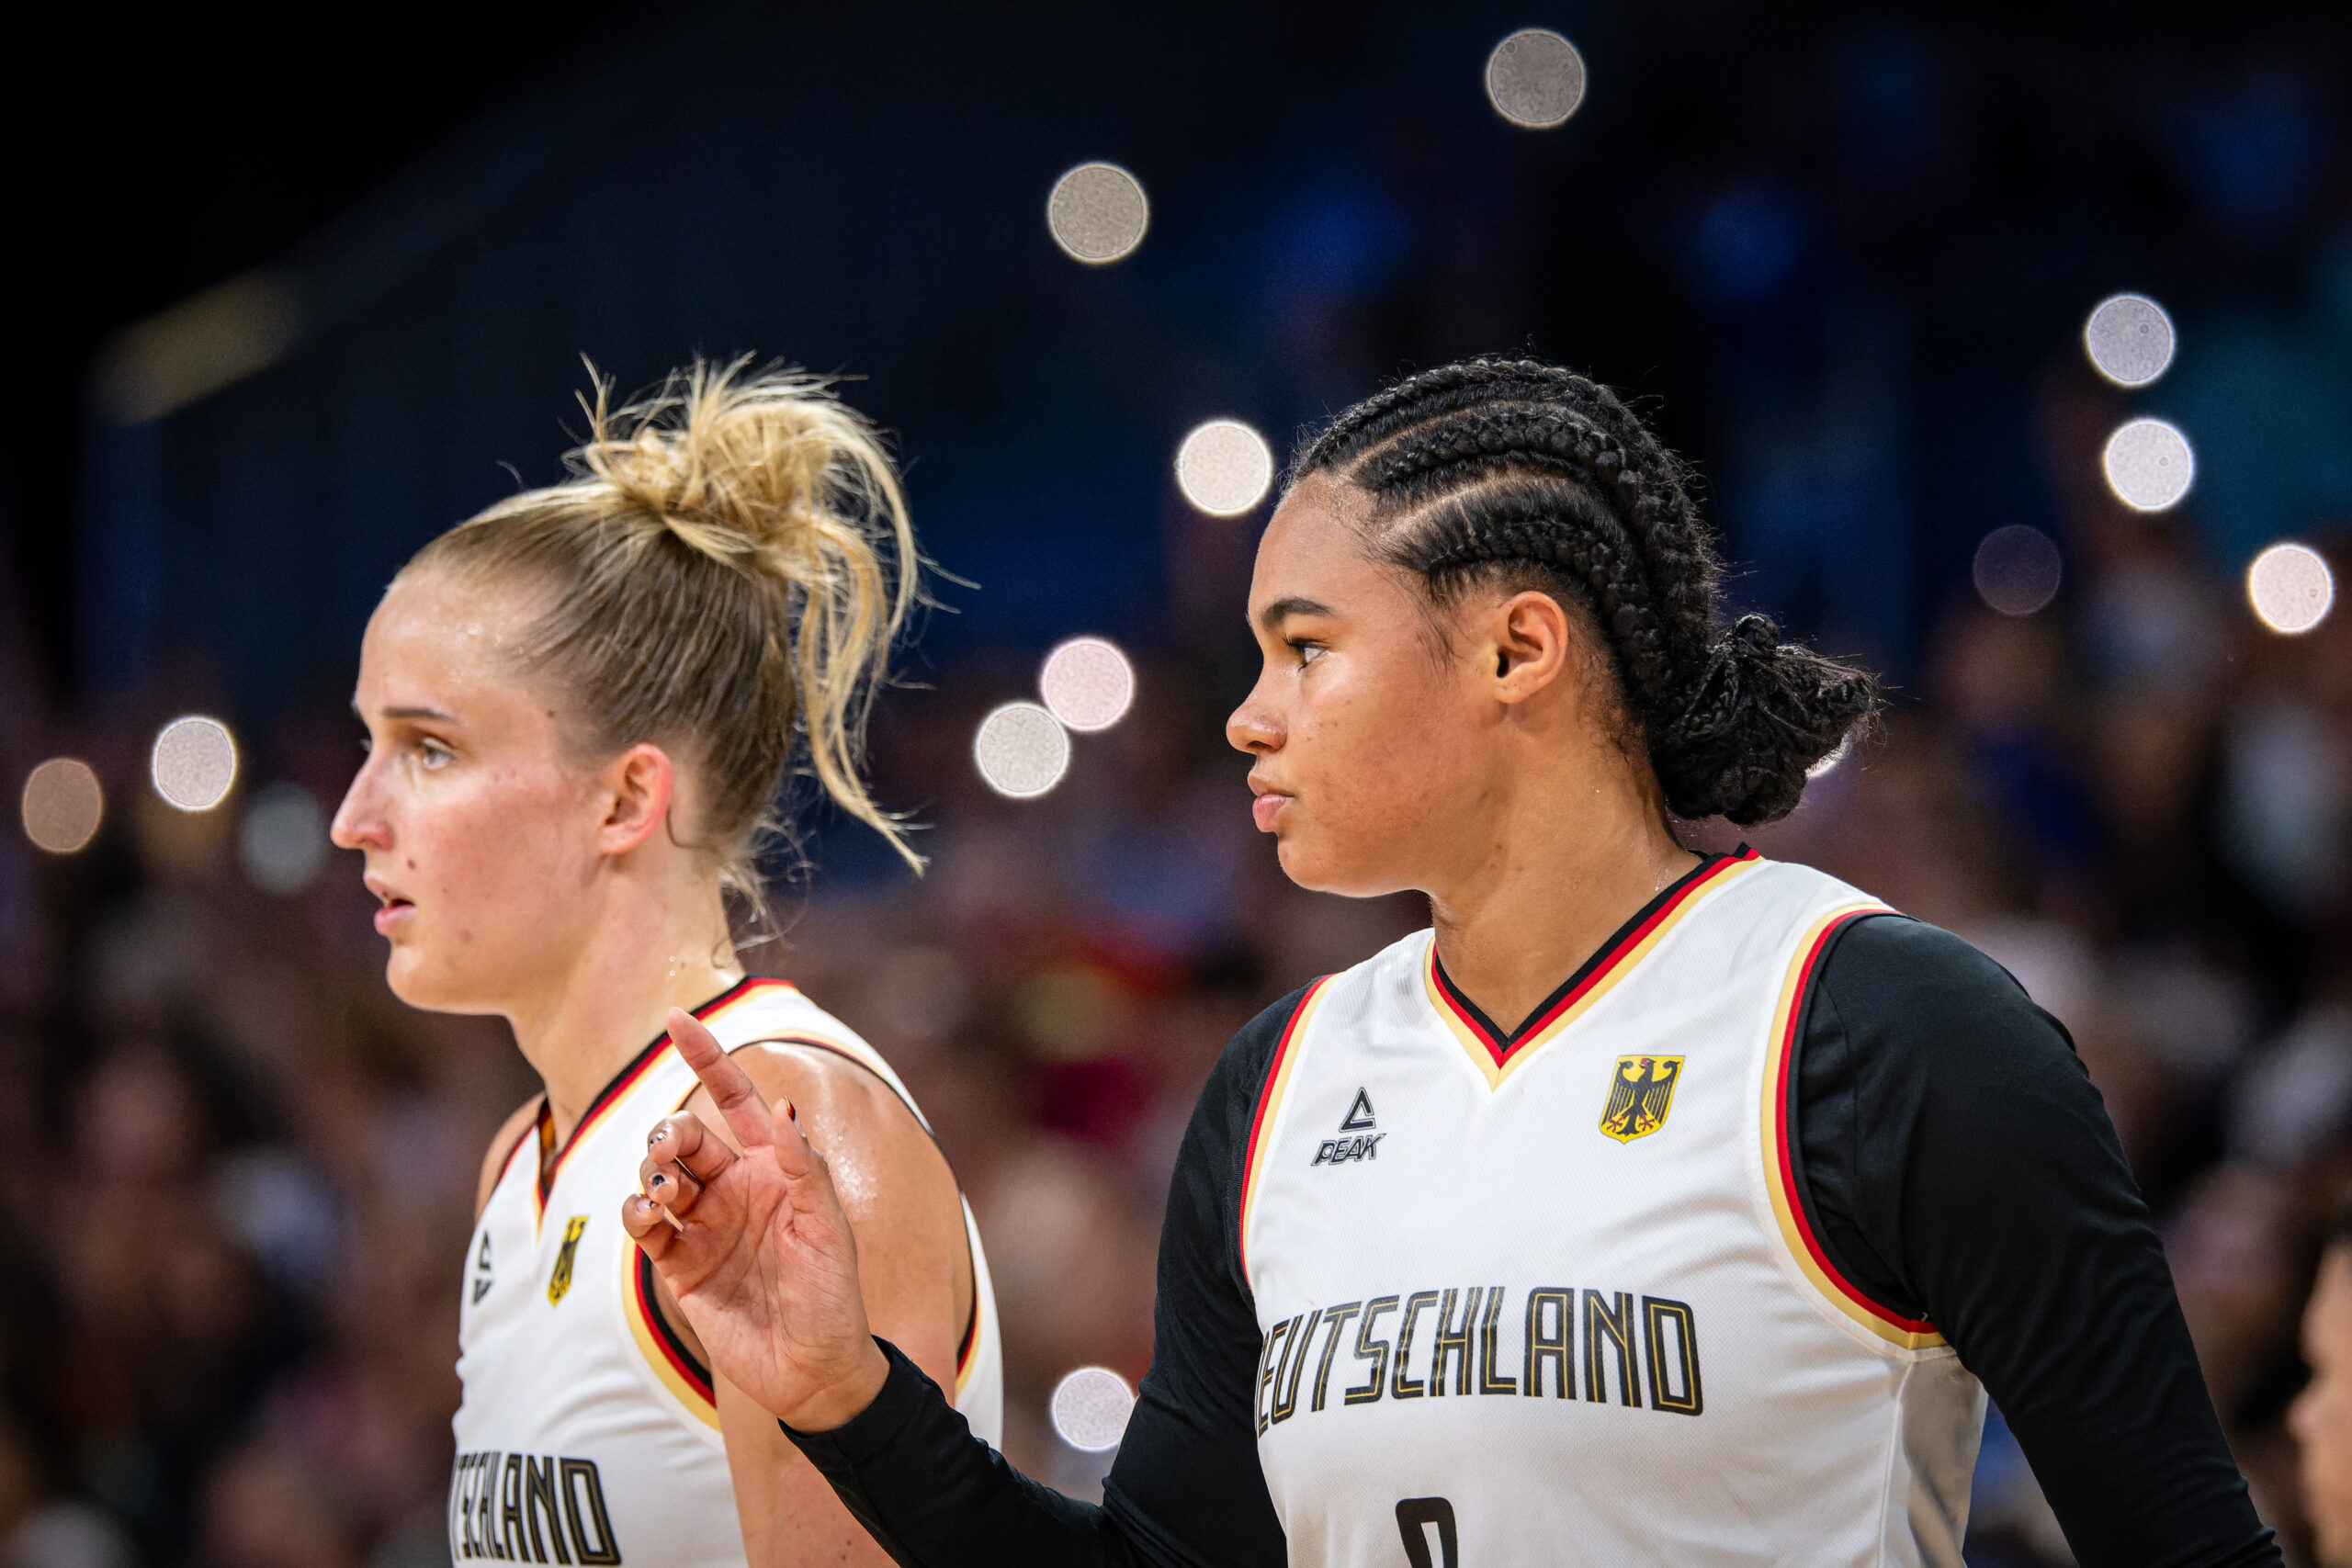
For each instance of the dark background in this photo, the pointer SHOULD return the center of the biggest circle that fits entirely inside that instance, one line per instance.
(294, 298)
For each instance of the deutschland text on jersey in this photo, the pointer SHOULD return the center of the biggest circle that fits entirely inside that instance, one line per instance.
(1553, 1296)
(588, 1432)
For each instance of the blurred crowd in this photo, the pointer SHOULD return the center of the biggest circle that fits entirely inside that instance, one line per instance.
(2137, 800)
(238, 1173)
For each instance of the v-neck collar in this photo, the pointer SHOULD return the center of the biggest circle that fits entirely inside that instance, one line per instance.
(607, 1097)
(1496, 1053)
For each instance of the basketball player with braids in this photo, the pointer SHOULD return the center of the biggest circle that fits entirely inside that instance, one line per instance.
(1652, 1207)
(582, 707)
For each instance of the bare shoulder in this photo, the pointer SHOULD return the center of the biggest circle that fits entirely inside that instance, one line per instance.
(501, 1148)
(915, 1266)
(885, 1167)
(842, 1107)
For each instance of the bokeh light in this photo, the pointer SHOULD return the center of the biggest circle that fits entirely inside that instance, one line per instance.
(2148, 464)
(1022, 750)
(1535, 78)
(2290, 588)
(1091, 1407)
(1098, 213)
(1224, 468)
(2129, 339)
(2015, 569)
(194, 763)
(1088, 683)
(62, 804)
(282, 842)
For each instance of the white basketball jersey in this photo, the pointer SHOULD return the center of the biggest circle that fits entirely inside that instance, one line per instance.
(588, 1433)
(1561, 1303)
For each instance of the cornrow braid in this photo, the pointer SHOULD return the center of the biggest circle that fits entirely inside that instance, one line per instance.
(1496, 469)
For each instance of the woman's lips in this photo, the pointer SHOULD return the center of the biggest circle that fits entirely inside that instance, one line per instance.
(392, 916)
(1264, 809)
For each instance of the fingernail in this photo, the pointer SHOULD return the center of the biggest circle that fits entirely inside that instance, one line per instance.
(792, 1110)
(659, 1179)
(657, 1135)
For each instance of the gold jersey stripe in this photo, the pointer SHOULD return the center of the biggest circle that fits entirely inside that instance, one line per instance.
(1788, 1208)
(1598, 984)
(1262, 1130)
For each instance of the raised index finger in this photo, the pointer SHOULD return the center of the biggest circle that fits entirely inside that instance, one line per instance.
(730, 1088)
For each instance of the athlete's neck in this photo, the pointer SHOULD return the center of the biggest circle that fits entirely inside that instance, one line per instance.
(1565, 857)
(645, 953)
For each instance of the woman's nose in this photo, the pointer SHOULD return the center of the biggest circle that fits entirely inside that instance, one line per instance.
(357, 825)
(1252, 728)
(1255, 727)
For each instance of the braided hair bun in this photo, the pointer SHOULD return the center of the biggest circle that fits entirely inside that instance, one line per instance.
(1514, 472)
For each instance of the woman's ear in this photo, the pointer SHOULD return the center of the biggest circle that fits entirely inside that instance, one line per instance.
(1528, 643)
(639, 789)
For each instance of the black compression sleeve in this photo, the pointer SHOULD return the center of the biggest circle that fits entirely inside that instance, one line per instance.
(1958, 1165)
(1185, 1491)
(908, 1469)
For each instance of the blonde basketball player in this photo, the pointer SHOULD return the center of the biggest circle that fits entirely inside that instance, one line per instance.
(581, 706)
(1650, 1208)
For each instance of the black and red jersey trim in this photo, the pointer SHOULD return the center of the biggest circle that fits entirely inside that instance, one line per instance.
(1798, 1191)
(1270, 1094)
(972, 1319)
(674, 1349)
(1500, 1043)
(530, 1130)
(621, 1083)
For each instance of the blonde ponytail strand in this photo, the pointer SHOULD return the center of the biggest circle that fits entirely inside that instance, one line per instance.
(727, 571)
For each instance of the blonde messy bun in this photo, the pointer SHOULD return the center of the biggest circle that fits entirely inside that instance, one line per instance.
(724, 575)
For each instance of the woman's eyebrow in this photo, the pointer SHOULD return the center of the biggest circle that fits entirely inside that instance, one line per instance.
(431, 715)
(1280, 610)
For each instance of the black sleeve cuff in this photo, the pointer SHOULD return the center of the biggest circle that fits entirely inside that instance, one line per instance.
(909, 1404)
(932, 1495)
(906, 1392)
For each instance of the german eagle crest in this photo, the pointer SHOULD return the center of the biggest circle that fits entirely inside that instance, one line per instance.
(1639, 1093)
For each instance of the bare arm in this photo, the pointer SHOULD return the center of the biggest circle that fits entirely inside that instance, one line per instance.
(915, 1274)
(759, 1254)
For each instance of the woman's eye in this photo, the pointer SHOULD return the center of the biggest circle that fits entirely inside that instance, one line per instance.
(432, 754)
(1308, 652)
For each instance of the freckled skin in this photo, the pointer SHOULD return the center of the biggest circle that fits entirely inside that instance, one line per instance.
(488, 820)
(1382, 738)
(1475, 752)
(562, 892)
(2321, 1417)
(1487, 765)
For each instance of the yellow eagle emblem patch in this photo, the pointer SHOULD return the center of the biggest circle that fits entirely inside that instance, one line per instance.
(560, 1280)
(1640, 1092)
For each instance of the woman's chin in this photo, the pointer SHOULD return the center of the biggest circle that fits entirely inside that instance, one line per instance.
(429, 989)
(1315, 868)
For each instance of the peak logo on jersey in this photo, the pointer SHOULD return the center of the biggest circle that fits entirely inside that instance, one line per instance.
(1640, 1093)
(560, 1279)
(481, 1270)
(1364, 1145)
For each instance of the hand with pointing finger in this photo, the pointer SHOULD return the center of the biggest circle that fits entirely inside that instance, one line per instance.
(755, 1249)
